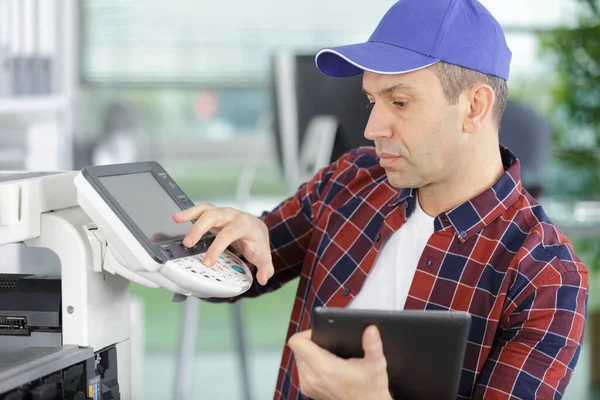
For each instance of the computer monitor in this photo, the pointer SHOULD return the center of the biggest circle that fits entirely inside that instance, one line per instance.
(301, 92)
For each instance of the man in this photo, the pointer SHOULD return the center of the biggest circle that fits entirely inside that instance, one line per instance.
(433, 217)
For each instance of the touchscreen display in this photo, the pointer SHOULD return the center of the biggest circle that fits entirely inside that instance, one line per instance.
(149, 206)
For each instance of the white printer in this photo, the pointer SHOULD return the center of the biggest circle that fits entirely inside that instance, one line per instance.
(67, 335)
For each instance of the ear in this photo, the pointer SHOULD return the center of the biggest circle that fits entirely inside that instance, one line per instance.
(480, 100)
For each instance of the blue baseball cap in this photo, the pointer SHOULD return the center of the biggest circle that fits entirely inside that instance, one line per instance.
(414, 34)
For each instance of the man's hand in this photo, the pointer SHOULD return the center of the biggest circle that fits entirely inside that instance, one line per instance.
(324, 376)
(246, 233)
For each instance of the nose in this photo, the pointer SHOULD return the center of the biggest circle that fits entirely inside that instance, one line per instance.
(379, 124)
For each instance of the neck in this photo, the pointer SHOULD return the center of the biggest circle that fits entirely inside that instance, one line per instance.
(482, 170)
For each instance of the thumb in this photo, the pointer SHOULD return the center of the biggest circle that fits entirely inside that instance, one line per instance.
(265, 271)
(372, 344)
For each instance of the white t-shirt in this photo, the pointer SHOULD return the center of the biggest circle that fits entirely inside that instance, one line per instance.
(388, 283)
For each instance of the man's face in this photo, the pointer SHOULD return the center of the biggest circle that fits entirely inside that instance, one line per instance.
(417, 134)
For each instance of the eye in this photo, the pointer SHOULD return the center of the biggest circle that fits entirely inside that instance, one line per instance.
(370, 105)
(400, 104)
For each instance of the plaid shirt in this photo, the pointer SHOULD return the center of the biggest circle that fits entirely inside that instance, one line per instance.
(497, 256)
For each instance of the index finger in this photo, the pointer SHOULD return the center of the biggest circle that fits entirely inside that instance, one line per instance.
(307, 334)
(192, 213)
(221, 241)
(301, 343)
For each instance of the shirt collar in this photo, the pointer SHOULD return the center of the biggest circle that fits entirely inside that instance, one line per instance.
(473, 215)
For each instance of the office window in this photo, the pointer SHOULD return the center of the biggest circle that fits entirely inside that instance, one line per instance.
(211, 43)
(198, 72)
(228, 43)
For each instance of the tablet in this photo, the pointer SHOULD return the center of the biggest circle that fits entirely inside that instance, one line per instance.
(424, 350)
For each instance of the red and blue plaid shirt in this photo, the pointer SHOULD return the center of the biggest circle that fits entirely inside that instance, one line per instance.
(497, 256)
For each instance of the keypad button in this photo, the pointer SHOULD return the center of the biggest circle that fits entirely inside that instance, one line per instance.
(237, 268)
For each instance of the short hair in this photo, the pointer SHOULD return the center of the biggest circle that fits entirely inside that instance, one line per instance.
(456, 79)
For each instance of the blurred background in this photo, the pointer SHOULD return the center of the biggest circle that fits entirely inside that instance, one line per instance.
(225, 95)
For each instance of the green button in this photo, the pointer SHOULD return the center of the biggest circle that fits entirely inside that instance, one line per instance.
(237, 268)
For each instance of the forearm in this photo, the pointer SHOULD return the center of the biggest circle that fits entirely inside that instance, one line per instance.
(535, 353)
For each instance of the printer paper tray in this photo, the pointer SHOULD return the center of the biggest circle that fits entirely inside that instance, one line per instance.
(23, 366)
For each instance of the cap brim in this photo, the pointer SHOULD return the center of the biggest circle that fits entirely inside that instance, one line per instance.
(376, 57)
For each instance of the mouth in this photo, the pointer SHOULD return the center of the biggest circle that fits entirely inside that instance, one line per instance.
(387, 160)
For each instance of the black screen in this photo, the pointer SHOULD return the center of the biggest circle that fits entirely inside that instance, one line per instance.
(318, 94)
(149, 206)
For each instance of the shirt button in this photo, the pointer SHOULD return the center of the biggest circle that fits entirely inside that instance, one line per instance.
(429, 263)
(405, 205)
(346, 291)
(378, 237)
(463, 234)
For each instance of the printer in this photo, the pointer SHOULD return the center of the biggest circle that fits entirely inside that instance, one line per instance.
(66, 334)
